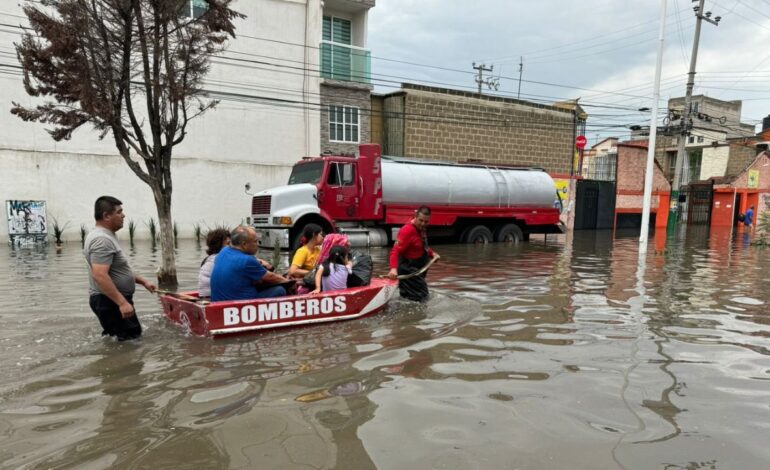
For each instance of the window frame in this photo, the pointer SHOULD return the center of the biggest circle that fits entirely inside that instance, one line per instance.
(337, 169)
(332, 39)
(333, 111)
(189, 10)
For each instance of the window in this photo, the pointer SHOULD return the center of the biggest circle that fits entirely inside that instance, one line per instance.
(341, 174)
(691, 139)
(306, 173)
(700, 139)
(343, 124)
(336, 55)
(695, 107)
(671, 156)
(336, 30)
(694, 165)
(195, 8)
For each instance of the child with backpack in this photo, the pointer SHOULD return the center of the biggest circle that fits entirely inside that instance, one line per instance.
(333, 273)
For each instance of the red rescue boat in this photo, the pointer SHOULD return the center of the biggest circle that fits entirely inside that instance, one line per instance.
(213, 319)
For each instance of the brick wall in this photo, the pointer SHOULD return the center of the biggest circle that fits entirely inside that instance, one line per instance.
(345, 94)
(460, 126)
(632, 166)
(741, 156)
(762, 165)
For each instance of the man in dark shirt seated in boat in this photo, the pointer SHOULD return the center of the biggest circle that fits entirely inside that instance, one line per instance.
(238, 275)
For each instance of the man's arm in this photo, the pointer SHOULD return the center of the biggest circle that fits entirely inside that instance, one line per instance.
(261, 276)
(271, 278)
(144, 282)
(101, 275)
(401, 243)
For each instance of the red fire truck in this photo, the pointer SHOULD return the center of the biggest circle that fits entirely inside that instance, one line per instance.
(369, 197)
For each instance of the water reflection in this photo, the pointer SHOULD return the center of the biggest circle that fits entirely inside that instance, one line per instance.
(542, 355)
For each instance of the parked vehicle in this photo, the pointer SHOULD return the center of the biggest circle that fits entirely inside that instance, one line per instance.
(369, 197)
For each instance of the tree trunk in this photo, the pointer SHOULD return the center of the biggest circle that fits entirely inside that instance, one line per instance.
(167, 271)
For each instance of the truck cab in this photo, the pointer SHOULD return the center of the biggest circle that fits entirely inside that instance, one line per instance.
(335, 192)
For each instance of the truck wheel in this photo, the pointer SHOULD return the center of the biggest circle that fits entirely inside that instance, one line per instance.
(478, 235)
(509, 233)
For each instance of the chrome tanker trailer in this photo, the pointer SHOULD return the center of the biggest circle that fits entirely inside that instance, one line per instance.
(370, 196)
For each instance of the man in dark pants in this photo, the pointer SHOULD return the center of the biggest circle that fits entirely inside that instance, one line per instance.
(410, 254)
(111, 281)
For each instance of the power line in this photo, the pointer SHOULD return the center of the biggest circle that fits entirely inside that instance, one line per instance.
(455, 118)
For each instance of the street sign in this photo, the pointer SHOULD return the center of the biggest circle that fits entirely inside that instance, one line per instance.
(581, 142)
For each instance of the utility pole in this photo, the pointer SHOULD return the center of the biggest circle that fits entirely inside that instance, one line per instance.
(521, 69)
(480, 80)
(686, 120)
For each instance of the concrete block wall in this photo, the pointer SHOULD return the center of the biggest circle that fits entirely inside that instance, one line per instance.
(461, 126)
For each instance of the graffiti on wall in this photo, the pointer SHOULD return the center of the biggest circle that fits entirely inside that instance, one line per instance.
(562, 195)
(27, 220)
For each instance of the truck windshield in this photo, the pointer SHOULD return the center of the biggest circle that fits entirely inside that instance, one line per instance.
(306, 173)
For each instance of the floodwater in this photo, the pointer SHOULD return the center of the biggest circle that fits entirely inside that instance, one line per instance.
(544, 355)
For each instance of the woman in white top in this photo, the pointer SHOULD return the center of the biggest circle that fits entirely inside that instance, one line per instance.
(215, 241)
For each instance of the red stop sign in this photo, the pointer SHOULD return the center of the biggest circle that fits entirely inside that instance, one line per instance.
(581, 141)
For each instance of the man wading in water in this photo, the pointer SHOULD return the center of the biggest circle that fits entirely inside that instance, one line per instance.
(410, 254)
(112, 283)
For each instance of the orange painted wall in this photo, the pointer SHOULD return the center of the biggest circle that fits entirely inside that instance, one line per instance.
(664, 205)
(723, 209)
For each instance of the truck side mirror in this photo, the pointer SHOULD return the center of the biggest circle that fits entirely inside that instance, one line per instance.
(247, 188)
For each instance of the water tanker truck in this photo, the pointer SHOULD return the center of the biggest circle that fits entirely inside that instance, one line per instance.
(369, 197)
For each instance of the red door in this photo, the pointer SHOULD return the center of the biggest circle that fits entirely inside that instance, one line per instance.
(341, 192)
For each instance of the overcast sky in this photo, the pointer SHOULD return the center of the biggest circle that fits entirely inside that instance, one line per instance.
(595, 46)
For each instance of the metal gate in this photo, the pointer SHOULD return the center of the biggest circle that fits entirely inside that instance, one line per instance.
(699, 201)
(595, 205)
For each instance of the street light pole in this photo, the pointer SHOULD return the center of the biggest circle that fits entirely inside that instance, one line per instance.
(648, 176)
(673, 215)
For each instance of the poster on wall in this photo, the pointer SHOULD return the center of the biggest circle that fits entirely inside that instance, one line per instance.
(753, 179)
(27, 221)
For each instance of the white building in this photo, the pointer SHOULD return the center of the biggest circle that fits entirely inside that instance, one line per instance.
(296, 66)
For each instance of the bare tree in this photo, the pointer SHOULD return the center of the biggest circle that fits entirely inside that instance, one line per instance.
(129, 68)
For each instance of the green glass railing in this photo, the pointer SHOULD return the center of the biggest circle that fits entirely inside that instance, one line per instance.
(347, 63)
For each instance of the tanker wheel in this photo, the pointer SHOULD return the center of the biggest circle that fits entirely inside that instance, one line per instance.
(509, 233)
(477, 235)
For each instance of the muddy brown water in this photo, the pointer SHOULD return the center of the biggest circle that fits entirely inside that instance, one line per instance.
(542, 355)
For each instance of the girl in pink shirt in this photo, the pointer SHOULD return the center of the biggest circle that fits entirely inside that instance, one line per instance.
(333, 273)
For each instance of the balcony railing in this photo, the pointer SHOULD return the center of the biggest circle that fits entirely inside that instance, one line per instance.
(345, 62)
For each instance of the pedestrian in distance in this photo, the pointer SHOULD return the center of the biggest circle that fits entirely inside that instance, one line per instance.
(411, 254)
(111, 281)
(748, 218)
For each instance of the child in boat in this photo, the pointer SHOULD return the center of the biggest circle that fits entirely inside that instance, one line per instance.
(333, 273)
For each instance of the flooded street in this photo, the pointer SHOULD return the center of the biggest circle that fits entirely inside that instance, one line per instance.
(541, 355)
